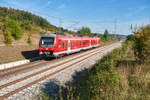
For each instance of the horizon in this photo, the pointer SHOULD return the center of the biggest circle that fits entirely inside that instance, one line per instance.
(72, 15)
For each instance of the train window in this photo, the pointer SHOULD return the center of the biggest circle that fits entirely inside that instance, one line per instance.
(73, 44)
(59, 41)
(66, 45)
(63, 44)
(46, 41)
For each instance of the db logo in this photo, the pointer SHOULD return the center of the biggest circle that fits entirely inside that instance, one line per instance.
(46, 48)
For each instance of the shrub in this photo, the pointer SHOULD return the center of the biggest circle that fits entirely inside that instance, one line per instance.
(41, 33)
(26, 25)
(142, 45)
(7, 37)
(130, 37)
(29, 41)
(1, 29)
(14, 28)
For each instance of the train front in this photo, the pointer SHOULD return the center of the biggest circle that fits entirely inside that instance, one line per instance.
(46, 45)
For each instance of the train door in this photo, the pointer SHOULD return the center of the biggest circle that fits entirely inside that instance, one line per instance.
(68, 45)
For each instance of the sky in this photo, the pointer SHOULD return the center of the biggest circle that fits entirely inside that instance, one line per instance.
(98, 15)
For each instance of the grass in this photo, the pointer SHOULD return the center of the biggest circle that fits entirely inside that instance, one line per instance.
(116, 76)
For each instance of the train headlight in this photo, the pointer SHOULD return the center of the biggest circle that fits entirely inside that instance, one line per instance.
(41, 53)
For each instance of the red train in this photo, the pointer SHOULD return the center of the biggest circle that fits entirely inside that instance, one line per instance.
(55, 45)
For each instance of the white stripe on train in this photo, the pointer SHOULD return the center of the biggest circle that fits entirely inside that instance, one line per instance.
(72, 51)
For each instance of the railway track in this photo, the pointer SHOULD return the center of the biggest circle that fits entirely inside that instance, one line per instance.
(12, 87)
(35, 64)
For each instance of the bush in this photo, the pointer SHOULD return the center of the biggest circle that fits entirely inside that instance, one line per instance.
(1, 29)
(41, 33)
(142, 45)
(7, 37)
(130, 37)
(26, 25)
(29, 41)
(102, 81)
(14, 28)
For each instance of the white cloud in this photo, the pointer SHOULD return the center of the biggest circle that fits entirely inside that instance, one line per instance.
(61, 6)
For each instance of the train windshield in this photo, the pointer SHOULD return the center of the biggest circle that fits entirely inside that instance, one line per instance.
(47, 41)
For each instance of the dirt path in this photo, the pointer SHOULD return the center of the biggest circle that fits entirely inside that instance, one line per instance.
(17, 52)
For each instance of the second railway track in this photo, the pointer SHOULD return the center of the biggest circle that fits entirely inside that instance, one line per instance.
(33, 65)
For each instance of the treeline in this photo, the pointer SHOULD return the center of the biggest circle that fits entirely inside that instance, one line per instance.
(25, 18)
(106, 36)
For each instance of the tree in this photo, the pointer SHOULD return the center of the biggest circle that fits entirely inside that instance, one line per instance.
(14, 28)
(130, 37)
(85, 31)
(106, 35)
(142, 45)
(7, 37)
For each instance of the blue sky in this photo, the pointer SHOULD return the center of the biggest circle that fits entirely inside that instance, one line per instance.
(96, 14)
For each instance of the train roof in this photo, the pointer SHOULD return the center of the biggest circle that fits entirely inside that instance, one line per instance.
(63, 35)
(48, 35)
